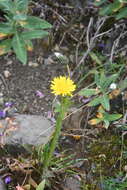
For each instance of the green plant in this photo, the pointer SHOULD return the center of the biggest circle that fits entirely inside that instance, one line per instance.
(101, 95)
(63, 87)
(114, 184)
(19, 28)
(116, 8)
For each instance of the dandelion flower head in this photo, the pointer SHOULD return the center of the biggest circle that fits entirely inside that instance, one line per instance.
(63, 86)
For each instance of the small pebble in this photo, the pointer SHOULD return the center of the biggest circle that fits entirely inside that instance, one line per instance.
(7, 74)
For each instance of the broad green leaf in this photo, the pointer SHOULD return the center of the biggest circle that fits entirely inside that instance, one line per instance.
(106, 81)
(112, 117)
(87, 92)
(123, 84)
(5, 46)
(106, 10)
(19, 48)
(110, 8)
(19, 17)
(105, 102)
(122, 13)
(33, 22)
(6, 28)
(95, 101)
(41, 186)
(34, 34)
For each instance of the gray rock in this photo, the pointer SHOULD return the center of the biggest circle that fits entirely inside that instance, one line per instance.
(72, 183)
(27, 130)
(2, 185)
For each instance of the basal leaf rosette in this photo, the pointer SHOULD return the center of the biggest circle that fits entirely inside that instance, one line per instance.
(63, 86)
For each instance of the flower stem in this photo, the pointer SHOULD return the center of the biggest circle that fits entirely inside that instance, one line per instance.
(54, 141)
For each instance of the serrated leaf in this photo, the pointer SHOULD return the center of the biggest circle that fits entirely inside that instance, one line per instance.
(87, 92)
(34, 34)
(33, 22)
(105, 102)
(19, 48)
(95, 101)
(122, 13)
(41, 186)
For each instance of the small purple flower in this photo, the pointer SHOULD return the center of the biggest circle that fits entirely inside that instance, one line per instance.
(2, 113)
(49, 114)
(39, 94)
(9, 104)
(101, 45)
(7, 179)
(85, 100)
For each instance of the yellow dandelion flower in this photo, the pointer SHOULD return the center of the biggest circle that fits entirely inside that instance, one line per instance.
(63, 86)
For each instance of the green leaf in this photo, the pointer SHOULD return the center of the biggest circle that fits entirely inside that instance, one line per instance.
(57, 107)
(6, 28)
(123, 84)
(7, 5)
(87, 92)
(105, 102)
(95, 101)
(41, 186)
(19, 48)
(95, 58)
(33, 22)
(112, 7)
(22, 5)
(122, 13)
(106, 81)
(19, 17)
(112, 117)
(100, 2)
(5, 46)
(97, 79)
(106, 124)
(109, 80)
(34, 34)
